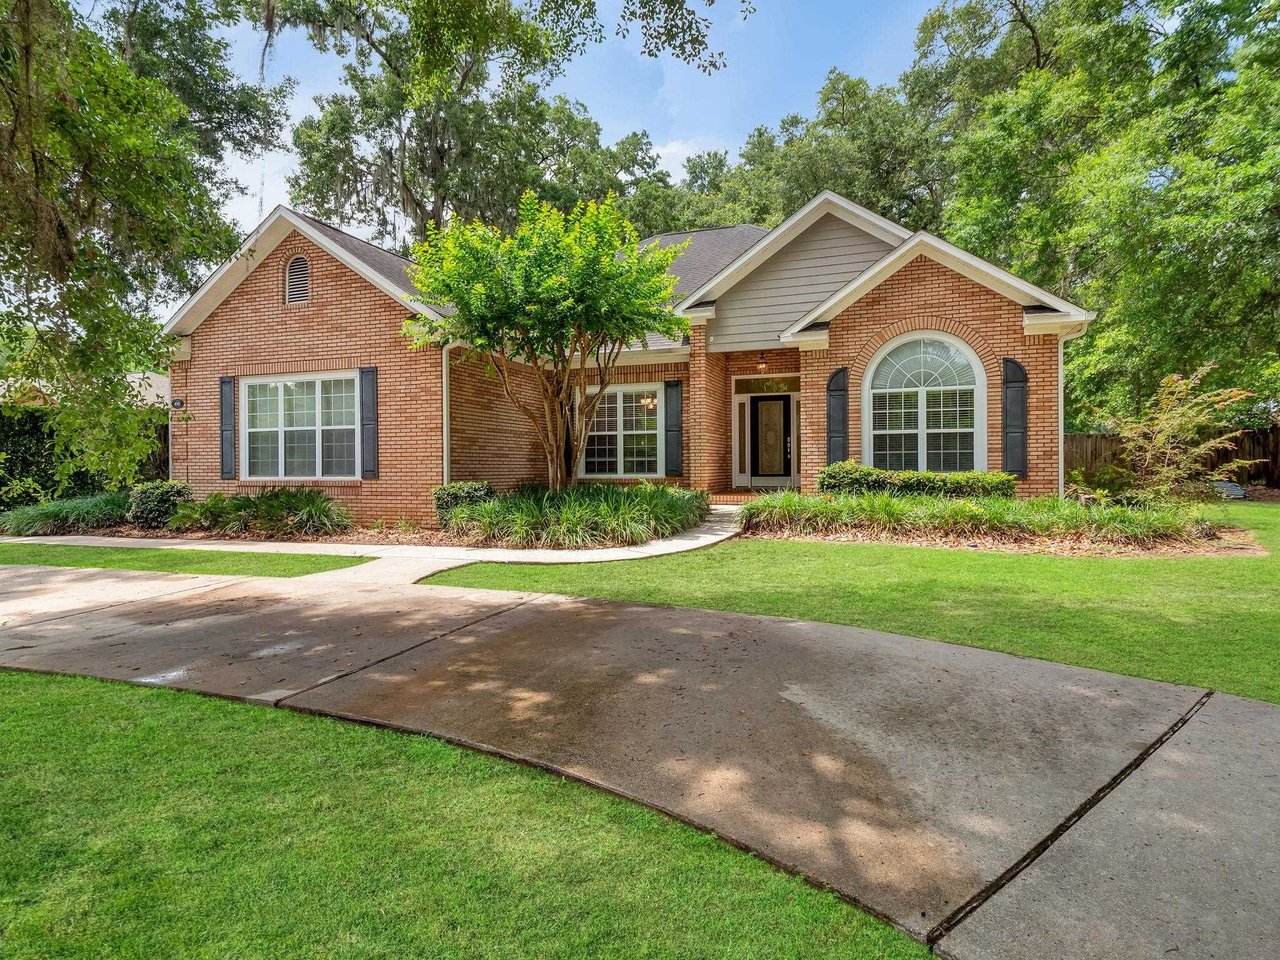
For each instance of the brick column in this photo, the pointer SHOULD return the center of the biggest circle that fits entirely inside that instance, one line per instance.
(710, 444)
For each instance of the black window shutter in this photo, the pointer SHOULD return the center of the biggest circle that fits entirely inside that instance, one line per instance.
(1014, 416)
(838, 416)
(368, 423)
(227, 425)
(674, 428)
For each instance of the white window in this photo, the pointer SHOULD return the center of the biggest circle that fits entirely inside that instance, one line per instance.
(297, 280)
(299, 427)
(926, 402)
(624, 437)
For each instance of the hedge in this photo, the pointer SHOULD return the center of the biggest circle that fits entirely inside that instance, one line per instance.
(851, 477)
(450, 496)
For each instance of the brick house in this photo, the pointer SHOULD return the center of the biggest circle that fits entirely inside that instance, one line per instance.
(836, 335)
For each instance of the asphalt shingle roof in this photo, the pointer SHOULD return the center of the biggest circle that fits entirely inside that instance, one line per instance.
(709, 252)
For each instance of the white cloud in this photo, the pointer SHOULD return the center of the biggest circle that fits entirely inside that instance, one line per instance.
(673, 153)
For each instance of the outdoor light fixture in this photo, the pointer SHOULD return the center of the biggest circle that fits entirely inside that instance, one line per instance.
(761, 364)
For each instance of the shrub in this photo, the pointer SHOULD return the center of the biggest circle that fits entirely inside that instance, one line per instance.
(152, 505)
(1171, 450)
(74, 515)
(593, 515)
(1046, 517)
(278, 510)
(851, 477)
(452, 495)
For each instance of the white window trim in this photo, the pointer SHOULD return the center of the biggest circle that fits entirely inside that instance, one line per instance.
(748, 480)
(660, 391)
(242, 413)
(979, 399)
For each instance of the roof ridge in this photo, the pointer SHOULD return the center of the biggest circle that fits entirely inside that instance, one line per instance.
(729, 226)
(347, 233)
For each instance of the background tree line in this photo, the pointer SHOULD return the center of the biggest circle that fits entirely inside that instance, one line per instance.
(1124, 153)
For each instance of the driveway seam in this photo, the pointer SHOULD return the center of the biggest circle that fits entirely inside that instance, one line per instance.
(391, 656)
(966, 909)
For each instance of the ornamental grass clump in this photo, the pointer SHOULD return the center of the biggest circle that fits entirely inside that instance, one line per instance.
(1044, 518)
(594, 515)
(278, 511)
(73, 515)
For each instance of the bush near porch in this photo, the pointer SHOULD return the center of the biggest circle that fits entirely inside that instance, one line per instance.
(849, 476)
(1043, 518)
(592, 515)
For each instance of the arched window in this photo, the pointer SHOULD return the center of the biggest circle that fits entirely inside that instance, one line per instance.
(926, 396)
(297, 280)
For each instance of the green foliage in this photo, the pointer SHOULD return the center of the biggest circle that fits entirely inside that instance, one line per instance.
(451, 495)
(850, 476)
(152, 505)
(105, 210)
(594, 515)
(28, 472)
(73, 515)
(559, 299)
(1171, 449)
(277, 511)
(1000, 517)
(445, 115)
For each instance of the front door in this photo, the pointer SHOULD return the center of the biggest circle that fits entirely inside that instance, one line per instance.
(771, 436)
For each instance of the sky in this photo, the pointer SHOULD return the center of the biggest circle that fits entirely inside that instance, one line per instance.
(776, 61)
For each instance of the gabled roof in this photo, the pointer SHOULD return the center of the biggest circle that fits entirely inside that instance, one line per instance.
(709, 251)
(1043, 312)
(824, 203)
(385, 270)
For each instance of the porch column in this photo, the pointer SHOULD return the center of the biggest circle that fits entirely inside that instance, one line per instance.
(710, 445)
(815, 369)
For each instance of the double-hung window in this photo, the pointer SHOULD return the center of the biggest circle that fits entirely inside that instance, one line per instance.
(924, 408)
(624, 439)
(301, 427)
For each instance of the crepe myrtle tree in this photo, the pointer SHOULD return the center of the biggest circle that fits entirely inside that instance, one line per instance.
(556, 300)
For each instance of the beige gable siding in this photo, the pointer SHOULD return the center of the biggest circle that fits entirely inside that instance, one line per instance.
(794, 280)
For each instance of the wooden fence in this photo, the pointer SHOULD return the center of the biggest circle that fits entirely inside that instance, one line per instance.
(1092, 451)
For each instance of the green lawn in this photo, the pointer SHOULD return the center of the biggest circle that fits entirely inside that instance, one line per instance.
(144, 823)
(224, 562)
(1211, 622)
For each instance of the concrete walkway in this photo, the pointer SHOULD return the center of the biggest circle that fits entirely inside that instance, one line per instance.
(409, 563)
(993, 806)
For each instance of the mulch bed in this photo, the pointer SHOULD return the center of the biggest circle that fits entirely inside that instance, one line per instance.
(1229, 543)
(1263, 494)
(361, 535)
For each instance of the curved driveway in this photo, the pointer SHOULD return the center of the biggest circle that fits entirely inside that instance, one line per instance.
(996, 806)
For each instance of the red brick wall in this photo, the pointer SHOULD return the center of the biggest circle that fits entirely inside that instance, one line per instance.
(489, 438)
(710, 400)
(348, 323)
(492, 440)
(923, 296)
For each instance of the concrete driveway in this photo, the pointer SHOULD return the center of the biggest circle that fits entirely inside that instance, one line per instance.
(993, 806)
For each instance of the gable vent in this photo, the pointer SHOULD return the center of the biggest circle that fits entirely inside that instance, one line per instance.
(297, 281)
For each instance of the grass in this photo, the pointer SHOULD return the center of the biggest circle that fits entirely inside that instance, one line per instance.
(73, 515)
(143, 823)
(592, 515)
(221, 562)
(789, 512)
(1211, 621)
